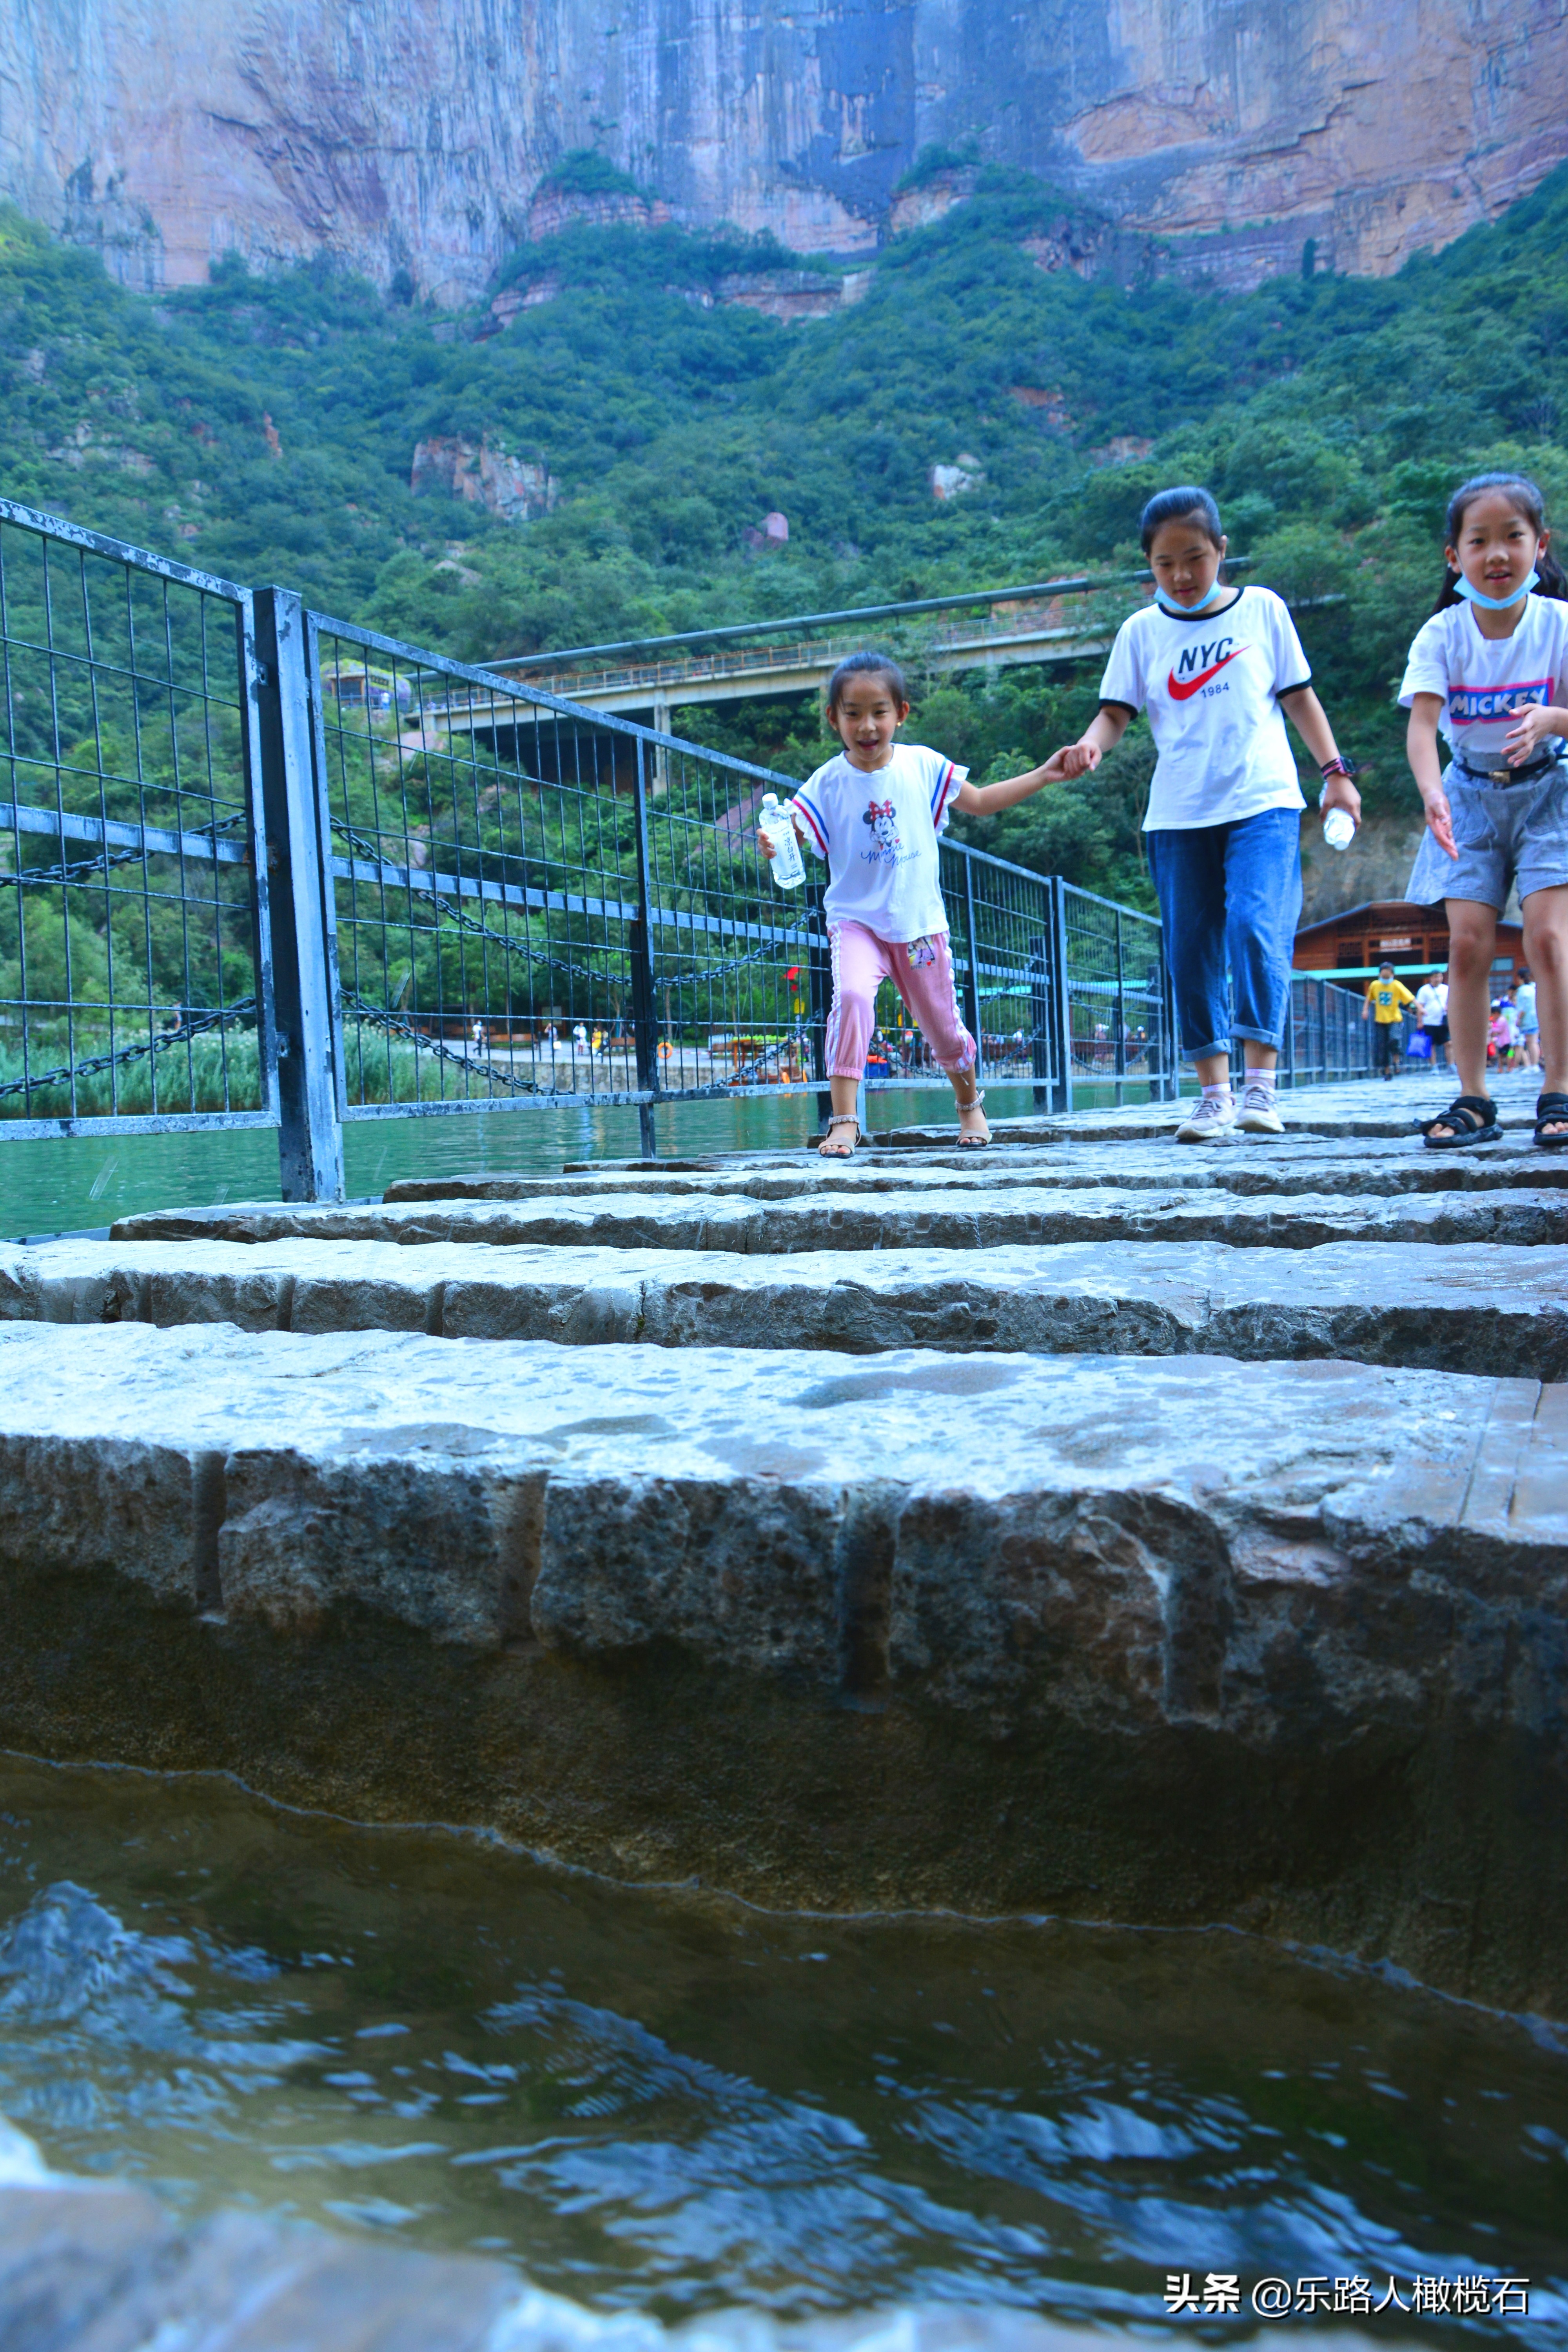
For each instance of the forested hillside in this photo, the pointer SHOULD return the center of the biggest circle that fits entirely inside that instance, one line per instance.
(266, 429)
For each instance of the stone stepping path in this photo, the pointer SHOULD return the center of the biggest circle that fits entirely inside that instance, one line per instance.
(1315, 1167)
(1098, 1525)
(1360, 1109)
(1495, 1311)
(935, 1217)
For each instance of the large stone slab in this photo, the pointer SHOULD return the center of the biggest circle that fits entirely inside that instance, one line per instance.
(1369, 1108)
(1316, 1167)
(1281, 1643)
(946, 1218)
(1488, 1310)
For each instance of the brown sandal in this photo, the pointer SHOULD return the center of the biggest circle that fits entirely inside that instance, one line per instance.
(974, 1142)
(841, 1118)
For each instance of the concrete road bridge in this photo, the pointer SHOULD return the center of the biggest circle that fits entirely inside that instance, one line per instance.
(1064, 620)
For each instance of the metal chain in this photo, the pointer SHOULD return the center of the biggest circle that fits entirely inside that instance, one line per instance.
(160, 1045)
(398, 1027)
(513, 946)
(472, 925)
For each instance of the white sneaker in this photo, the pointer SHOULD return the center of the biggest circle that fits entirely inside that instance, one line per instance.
(1258, 1114)
(1212, 1119)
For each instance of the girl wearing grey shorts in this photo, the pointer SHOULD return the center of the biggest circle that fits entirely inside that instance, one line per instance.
(1489, 670)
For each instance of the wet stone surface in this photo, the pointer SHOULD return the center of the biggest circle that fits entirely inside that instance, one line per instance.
(936, 1218)
(1172, 1531)
(1488, 1310)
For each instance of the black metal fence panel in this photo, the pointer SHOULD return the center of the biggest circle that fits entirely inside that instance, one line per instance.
(262, 867)
(535, 904)
(132, 918)
(1120, 1029)
(1327, 1037)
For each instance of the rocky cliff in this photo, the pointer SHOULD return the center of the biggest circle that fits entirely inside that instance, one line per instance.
(414, 134)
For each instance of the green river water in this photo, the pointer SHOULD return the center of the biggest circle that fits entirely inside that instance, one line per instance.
(72, 1183)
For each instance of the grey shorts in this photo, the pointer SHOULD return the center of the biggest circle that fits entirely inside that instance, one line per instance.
(1505, 835)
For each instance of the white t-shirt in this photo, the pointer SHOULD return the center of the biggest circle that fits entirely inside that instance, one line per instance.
(1482, 678)
(877, 827)
(1432, 1004)
(1524, 1001)
(1210, 682)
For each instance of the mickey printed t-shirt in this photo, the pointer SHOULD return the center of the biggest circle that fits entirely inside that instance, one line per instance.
(1210, 683)
(1482, 678)
(877, 829)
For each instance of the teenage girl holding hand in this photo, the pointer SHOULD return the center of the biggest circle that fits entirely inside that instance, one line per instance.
(1490, 670)
(1216, 666)
(875, 813)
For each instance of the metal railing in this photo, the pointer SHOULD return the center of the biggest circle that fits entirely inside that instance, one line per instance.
(135, 985)
(262, 867)
(1327, 1037)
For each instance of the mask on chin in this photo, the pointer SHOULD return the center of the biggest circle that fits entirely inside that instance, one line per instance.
(1495, 604)
(1166, 606)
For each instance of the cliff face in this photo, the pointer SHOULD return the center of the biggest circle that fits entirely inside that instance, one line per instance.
(413, 134)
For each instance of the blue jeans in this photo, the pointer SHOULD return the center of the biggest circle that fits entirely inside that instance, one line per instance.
(1230, 897)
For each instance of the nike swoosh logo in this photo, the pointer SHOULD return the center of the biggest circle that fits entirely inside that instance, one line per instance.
(1184, 688)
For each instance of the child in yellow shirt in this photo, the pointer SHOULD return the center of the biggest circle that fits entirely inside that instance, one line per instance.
(1387, 999)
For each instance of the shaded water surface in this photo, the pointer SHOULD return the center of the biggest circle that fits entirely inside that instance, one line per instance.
(58, 1184)
(655, 2101)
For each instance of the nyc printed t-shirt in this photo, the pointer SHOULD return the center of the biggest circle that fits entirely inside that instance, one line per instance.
(1482, 678)
(1210, 683)
(877, 829)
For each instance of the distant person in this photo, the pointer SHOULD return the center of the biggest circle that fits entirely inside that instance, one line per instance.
(1217, 667)
(1490, 669)
(1528, 1021)
(1432, 1011)
(875, 813)
(1387, 999)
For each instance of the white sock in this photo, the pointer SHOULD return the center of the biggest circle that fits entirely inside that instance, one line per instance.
(1264, 1078)
(1219, 1094)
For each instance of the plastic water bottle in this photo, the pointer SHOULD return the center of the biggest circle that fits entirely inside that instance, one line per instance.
(1338, 828)
(786, 863)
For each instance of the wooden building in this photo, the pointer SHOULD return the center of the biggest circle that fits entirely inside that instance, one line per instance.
(1350, 946)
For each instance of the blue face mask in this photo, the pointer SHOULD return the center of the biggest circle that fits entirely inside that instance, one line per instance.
(1166, 606)
(1495, 604)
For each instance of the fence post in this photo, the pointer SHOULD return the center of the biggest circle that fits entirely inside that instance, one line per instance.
(1060, 995)
(304, 975)
(819, 991)
(1040, 1030)
(971, 974)
(1172, 1072)
(644, 1014)
(1121, 1059)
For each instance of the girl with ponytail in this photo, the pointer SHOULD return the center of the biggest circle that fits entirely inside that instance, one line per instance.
(1490, 669)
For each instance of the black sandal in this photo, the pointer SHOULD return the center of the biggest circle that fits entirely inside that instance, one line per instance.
(1551, 1111)
(1476, 1117)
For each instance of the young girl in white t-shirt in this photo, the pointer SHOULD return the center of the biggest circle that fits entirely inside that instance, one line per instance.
(1215, 667)
(1490, 669)
(875, 813)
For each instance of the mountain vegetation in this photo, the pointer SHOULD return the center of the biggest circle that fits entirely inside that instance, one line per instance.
(265, 428)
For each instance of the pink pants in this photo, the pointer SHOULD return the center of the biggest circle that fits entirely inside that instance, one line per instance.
(921, 972)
